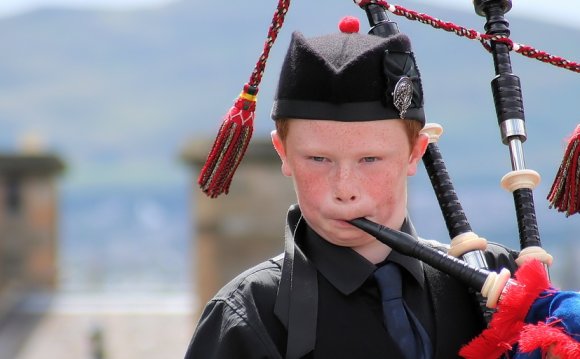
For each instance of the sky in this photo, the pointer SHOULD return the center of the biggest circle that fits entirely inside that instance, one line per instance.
(15, 7)
(558, 11)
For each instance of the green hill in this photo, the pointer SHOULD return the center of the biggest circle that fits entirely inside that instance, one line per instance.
(118, 94)
(113, 88)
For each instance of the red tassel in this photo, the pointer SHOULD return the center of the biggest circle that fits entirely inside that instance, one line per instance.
(230, 145)
(236, 131)
(565, 192)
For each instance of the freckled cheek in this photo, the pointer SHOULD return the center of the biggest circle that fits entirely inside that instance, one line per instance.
(309, 184)
(385, 187)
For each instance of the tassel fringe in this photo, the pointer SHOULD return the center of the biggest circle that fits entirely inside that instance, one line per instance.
(236, 130)
(230, 145)
(565, 192)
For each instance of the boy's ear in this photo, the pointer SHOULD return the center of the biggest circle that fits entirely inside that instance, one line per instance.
(417, 152)
(279, 147)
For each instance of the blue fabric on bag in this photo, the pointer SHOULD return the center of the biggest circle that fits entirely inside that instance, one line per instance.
(562, 306)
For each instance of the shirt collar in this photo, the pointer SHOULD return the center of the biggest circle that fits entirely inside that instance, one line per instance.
(344, 268)
(410, 264)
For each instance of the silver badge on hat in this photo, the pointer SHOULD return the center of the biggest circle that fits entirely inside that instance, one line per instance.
(403, 95)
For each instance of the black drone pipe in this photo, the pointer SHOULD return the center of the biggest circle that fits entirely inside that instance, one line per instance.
(509, 108)
(456, 221)
(453, 214)
(455, 218)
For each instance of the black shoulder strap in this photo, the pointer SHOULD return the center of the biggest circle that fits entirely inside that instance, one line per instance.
(297, 300)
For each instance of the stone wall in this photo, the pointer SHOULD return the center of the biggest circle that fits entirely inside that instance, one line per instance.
(240, 229)
(28, 225)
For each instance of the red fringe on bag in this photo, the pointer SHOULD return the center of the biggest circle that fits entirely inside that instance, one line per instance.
(507, 323)
(549, 337)
(565, 192)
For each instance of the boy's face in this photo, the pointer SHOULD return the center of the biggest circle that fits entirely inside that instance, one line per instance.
(346, 170)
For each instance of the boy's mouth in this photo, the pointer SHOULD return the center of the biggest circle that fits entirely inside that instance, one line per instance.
(343, 223)
(347, 221)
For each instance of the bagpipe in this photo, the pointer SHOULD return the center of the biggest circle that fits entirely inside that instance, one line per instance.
(531, 318)
(527, 317)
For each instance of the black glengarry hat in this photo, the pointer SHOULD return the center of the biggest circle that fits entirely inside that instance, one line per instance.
(349, 77)
(344, 77)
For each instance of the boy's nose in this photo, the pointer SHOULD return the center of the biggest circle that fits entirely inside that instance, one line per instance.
(346, 197)
(345, 189)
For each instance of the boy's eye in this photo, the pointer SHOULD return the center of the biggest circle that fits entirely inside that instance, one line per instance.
(369, 159)
(317, 158)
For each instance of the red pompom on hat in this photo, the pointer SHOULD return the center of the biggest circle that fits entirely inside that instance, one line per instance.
(349, 24)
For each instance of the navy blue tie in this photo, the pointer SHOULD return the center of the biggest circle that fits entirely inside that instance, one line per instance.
(400, 323)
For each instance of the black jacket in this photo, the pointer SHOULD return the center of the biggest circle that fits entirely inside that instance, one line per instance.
(320, 301)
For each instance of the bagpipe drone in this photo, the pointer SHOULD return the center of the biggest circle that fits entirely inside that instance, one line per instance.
(527, 317)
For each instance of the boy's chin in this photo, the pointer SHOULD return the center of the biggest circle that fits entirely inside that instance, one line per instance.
(348, 238)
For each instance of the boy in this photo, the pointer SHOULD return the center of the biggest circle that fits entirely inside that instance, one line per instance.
(348, 114)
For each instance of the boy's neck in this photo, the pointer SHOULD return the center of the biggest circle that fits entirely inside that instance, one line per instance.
(375, 252)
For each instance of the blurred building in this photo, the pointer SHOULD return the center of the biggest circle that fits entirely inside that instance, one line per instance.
(38, 319)
(240, 229)
(28, 225)
(28, 240)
